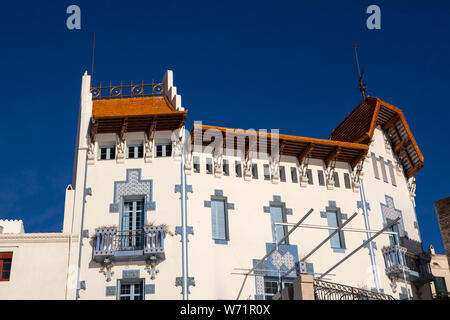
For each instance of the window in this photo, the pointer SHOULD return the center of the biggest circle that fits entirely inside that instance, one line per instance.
(337, 241)
(131, 235)
(336, 180)
(164, 150)
(391, 173)
(375, 165)
(321, 178)
(282, 174)
(5, 265)
(196, 164)
(440, 287)
(270, 289)
(347, 180)
(266, 172)
(278, 232)
(131, 290)
(226, 168)
(271, 286)
(394, 239)
(219, 220)
(309, 175)
(135, 151)
(107, 153)
(255, 171)
(238, 168)
(383, 169)
(209, 169)
(294, 175)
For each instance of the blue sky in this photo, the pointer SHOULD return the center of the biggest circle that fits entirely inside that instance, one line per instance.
(265, 64)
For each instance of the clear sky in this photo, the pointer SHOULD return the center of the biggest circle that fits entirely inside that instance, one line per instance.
(263, 64)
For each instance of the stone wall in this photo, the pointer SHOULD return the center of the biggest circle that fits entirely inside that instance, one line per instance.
(443, 214)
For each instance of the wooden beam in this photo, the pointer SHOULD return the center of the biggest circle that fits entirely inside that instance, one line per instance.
(408, 158)
(401, 145)
(94, 130)
(332, 156)
(305, 153)
(123, 128)
(413, 171)
(249, 146)
(358, 159)
(152, 128)
(391, 122)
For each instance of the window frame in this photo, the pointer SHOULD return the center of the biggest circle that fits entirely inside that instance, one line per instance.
(5, 256)
(226, 167)
(226, 232)
(163, 150)
(294, 176)
(340, 234)
(266, 172)
(282, 171)
(132, 283)
(136, 147)
(254, 171)
(108, 152)
(238, 169)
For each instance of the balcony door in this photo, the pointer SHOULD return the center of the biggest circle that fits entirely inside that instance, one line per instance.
(131, 234)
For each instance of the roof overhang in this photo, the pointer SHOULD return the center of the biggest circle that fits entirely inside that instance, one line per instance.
(295, 146)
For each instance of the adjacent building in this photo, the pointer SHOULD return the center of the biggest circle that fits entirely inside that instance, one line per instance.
(159, 211)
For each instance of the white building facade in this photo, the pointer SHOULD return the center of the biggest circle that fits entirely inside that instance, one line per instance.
(155, 211)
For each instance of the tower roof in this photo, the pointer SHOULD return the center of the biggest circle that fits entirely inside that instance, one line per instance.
(360, 124)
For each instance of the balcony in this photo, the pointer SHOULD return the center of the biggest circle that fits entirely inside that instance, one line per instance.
(126, 245)
(400, 260)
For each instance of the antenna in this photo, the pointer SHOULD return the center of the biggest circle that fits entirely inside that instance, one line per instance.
(93, 58)
(362, 86)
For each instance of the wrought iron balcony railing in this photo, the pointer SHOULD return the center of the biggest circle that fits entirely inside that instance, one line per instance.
(110, 243)
(324, 290)
(132, 90)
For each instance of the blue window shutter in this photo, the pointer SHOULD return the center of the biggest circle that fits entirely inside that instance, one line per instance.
(333, 222)
(375, 166)
(383, 169)
(391, 172)
(276, 215)
(218, 220)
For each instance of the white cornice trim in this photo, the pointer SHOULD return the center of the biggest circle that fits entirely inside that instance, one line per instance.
(37, 237)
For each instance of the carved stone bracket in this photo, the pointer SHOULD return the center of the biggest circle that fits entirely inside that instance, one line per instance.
(188, 163)
(329, 175)
(247, 169)
(91, 153)
(303, 162)
(218, 161)
(120, 147)
(107, 269)
(356, 174)
(274, 167)
(151, 267)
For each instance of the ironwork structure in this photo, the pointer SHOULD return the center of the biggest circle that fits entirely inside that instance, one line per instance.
(324, 290)
(109, 242)
(132, 90)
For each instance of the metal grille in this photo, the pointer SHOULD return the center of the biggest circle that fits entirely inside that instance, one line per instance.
(127, 90)
(324, 290)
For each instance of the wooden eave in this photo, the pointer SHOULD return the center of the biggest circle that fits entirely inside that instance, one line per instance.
(135, 115)
(360, 125)
(294, 146)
